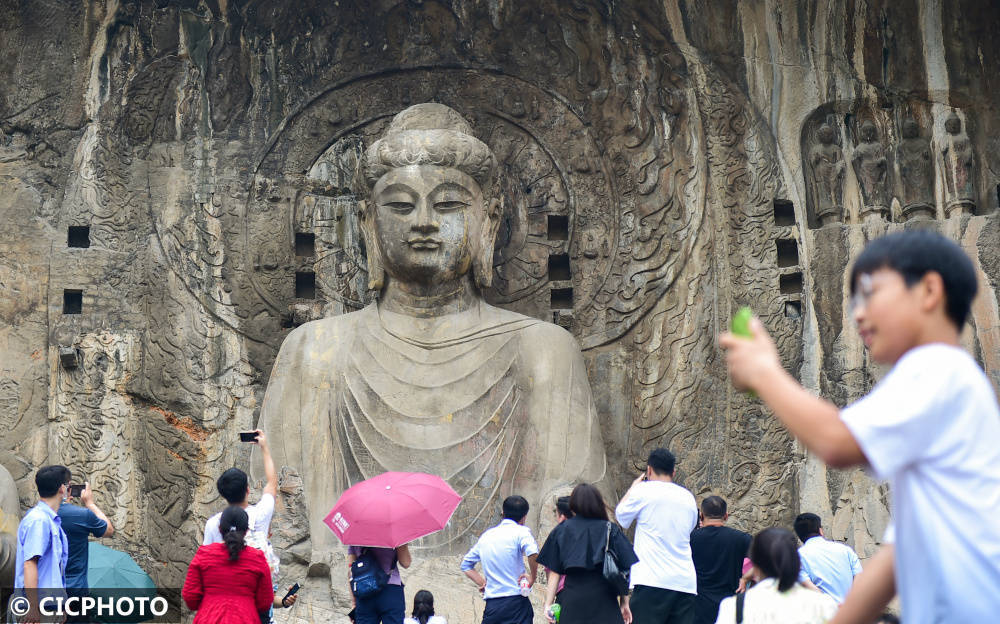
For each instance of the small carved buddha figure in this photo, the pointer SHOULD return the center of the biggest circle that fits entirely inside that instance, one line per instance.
(870, 168)
(960, 189)
(916, 173)
(430, 377)
(828, 168)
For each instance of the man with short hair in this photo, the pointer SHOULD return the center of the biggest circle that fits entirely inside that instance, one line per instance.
(42, 548)
(79, 523)
(830, 565)
(663, 581)
(234, 486)
(718, 552)
(501, 551)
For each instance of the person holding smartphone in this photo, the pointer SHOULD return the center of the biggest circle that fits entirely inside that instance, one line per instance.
(79, 523)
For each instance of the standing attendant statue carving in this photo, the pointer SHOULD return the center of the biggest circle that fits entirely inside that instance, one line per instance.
(828, 168)
(870, 168)
(10, 516)
(959, 182)
(916, 173)
(430, 377)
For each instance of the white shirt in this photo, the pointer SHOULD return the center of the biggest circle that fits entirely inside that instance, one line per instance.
(931, 427)
(764, 604)
(666, 513)
(502, 550)
(831, 566)
(434, 619)
(258, 516)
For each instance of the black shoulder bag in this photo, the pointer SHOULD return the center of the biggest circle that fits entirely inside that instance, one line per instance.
(612, 571)
(740, 598)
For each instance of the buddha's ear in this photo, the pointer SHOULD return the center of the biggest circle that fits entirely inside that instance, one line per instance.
(366, 219)
(482, 264)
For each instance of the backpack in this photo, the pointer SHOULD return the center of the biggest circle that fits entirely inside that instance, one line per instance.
(367, 576)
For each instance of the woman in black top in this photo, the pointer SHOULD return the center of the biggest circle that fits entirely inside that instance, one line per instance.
(575, 548)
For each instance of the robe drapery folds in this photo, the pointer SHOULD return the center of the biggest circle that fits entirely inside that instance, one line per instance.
(495, 402)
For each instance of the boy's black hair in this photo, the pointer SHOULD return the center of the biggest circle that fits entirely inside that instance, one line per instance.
(887, 618)
(807, 525)
(661, 461)
(562, 506)
(515, 508)
(915, 253)
(49, 479)
(714, 507)
(233, 486)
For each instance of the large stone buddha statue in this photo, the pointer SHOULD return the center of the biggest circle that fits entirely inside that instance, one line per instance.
(431, 378)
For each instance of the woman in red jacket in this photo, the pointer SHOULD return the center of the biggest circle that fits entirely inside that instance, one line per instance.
(230, 582)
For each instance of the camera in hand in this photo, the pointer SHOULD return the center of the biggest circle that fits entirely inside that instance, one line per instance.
(76, 490)
(248, 436)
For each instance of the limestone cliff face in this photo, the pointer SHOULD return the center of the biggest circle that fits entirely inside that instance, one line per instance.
(177, 194)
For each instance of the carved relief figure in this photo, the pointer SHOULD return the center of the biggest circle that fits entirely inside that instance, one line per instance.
(430, 377)
(916, 173)
(828, 168)
(870, 168)
(959, 187)
(10, 516)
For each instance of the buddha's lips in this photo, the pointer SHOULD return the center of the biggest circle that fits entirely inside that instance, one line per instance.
(424, 243)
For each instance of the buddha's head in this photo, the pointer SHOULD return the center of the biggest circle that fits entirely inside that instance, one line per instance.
(429, 217)
(825, 134)
(953, 125)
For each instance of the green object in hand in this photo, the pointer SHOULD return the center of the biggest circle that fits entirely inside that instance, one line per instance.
(740, 325)
(556, 611)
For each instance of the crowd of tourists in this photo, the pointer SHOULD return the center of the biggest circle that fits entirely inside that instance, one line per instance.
(930, 427)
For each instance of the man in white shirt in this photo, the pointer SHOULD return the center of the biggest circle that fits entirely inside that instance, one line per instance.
(830, 565)
(501, 551)
(234, 486)
(664, 582)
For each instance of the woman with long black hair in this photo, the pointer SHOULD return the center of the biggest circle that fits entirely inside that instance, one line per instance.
(777, 597)
(575, 549)
(423, 610)
(229, 583)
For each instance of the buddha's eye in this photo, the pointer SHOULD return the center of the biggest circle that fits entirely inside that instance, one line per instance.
(401, 207)
(447, 205)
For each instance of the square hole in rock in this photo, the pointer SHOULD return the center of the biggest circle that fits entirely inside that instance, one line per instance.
(788, 252)
(78, 236)
(305, 285)
(562, 299)
(793, 309)
(558, 227)
(784, 212)
(559, 268)
(72, 302)
(305, 244)
(790, 284)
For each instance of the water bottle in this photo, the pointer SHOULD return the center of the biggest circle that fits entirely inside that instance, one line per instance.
(525, 587)
(554, 612)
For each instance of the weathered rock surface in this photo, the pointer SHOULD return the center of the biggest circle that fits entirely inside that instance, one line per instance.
(176, 191)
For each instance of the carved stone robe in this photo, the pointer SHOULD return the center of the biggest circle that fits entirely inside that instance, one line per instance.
(495, 402)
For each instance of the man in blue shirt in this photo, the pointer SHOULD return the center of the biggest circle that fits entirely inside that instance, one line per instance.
(42, 548)
(501, 551)
(831, 565)
(79, 523)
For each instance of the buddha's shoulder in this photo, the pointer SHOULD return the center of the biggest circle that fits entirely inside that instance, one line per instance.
(328, 331)
(535, 333)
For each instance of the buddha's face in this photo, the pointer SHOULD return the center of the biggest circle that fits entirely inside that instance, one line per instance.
(428, 221)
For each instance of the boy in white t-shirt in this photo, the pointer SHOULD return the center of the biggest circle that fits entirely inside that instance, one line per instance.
(931, 428)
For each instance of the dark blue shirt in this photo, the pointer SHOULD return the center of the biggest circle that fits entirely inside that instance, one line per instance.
(79, 523)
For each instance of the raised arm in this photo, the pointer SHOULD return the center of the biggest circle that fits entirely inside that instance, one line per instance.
(754, 365)
(270, 474)
(87, 496)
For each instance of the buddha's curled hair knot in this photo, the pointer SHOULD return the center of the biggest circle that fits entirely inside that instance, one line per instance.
(430, 134)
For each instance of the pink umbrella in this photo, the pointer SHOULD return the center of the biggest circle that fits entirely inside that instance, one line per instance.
(392, 509)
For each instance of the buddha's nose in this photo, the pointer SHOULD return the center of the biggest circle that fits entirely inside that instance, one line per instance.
(425, 221)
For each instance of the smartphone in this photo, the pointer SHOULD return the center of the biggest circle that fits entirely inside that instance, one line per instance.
(248, 436)
(291, 592)
(76, 490)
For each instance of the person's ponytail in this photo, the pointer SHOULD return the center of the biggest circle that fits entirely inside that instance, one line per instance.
(775, 552)
(423, 606)
(233, 525)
